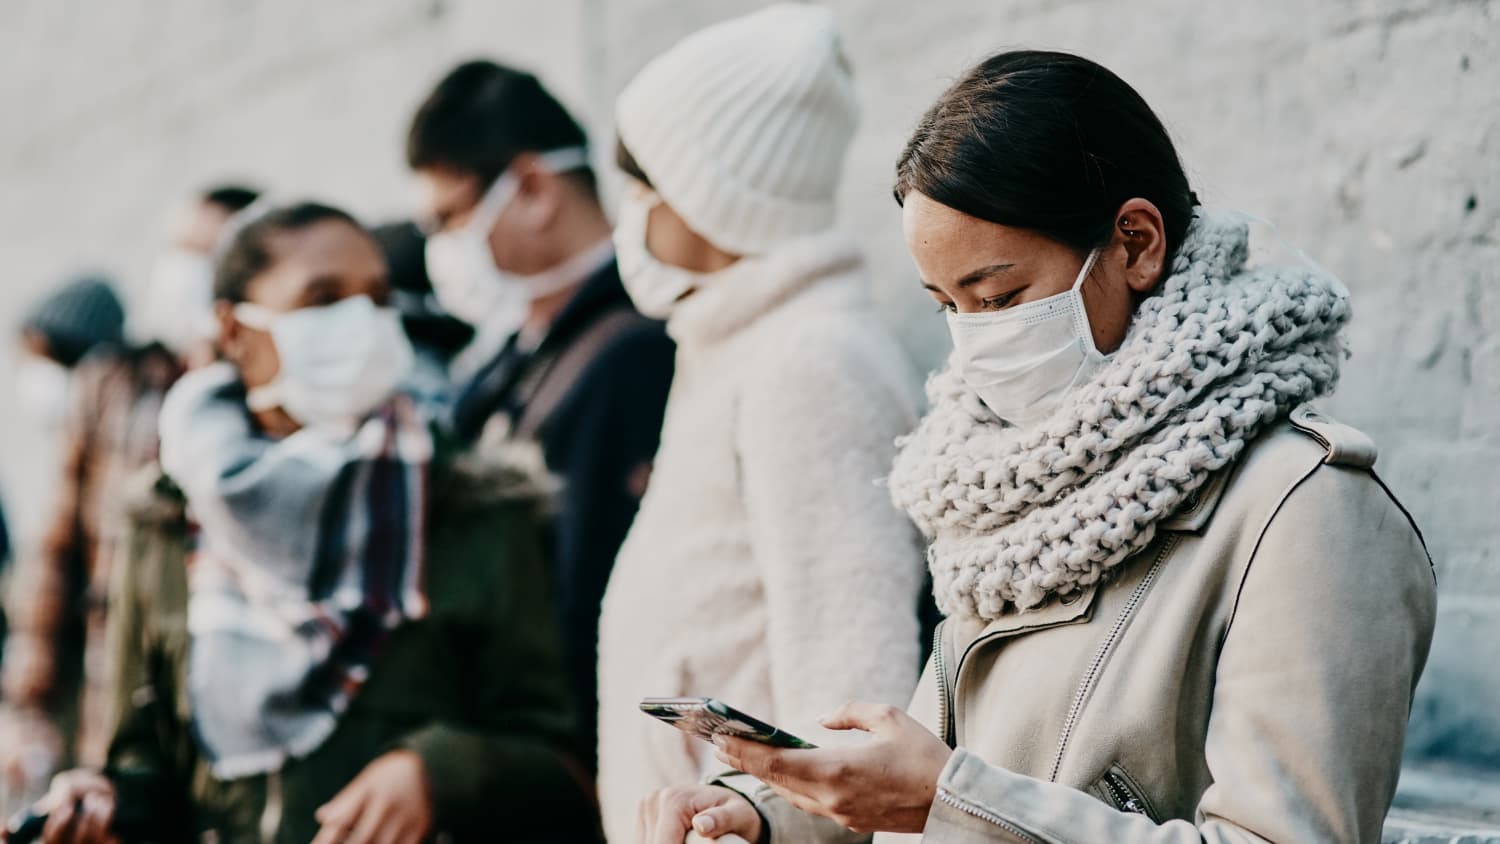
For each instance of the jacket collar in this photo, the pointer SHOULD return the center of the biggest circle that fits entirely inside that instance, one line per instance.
(1200, 505)
(600, 292)
(970, 631)
(736, 296)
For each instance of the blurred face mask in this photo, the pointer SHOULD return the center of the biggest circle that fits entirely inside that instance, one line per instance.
(1022, 361)
(42, 389)
(654, 287)
(462, 267)
(179, 304)
(339, 362)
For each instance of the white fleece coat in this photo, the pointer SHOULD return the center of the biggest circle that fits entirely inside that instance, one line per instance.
(766, 567)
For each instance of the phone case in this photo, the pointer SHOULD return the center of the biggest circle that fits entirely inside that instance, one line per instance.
(705, 718)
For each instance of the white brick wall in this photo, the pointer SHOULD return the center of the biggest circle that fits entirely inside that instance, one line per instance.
(1368, 131)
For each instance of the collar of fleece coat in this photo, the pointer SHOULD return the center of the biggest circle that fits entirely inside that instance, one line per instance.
(735, 296)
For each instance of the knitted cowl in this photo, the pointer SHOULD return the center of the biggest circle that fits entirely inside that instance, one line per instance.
(1217, 354)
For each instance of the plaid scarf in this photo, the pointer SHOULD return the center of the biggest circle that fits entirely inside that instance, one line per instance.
(307, 554)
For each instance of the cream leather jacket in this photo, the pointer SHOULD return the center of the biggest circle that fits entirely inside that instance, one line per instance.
(1246, 678)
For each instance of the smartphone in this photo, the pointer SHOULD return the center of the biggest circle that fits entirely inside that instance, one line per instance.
(25, 828)
(705, 718)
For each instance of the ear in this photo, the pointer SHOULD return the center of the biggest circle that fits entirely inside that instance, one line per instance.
(541, 191)
(1140, 231)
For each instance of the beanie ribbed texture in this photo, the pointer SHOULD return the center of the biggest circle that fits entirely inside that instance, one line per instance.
(78, 317)
(742, 127)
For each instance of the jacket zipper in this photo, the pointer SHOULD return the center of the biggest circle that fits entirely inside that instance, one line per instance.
(945, 705)
(1124, 799)
(1090, 676)
(984, 814)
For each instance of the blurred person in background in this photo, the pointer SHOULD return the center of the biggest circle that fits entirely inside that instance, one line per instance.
(331, 624)
(178, 311)
(435, 336)
(54, 704)
(767, 568)
(520, 248)
(73, 364)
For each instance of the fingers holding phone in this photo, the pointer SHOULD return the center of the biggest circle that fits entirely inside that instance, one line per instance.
(710, 811)
(78, 809)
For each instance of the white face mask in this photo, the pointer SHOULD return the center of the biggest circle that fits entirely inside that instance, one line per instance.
(654, 287)
(462, 267)
(1023, 360)
(179, 301)
(339, 362)
(42, 387)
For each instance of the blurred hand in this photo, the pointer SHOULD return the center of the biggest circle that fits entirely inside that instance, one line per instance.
(886, 784)
(30, 746)
(712, 811)
(388, 803)
(80, 807)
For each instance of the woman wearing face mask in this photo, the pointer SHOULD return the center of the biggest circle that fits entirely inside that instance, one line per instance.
(329, 625)
(1181, 607)
(766, 567)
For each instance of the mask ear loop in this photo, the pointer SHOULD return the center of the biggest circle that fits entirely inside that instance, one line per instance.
(1081, 312)
(1088, 264)
(505, 187)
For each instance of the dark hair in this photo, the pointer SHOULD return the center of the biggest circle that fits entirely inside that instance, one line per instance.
(77, 318)
(628, 165)
(231, 198)
(249, 253)
(482, 115)
(411, 292)
(1050, 142)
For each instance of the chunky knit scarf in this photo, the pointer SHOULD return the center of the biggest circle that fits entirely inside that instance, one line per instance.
(1215, 356)
(308, 553)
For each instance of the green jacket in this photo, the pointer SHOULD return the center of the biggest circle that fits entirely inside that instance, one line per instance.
(476, 688)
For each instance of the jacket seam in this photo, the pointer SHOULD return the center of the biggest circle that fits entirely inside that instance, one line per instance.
(1409, 520)
(1260, 537)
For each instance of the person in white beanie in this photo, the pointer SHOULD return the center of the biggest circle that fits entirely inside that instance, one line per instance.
(767, 567)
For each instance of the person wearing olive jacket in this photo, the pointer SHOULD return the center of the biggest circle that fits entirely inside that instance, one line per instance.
(330, 624)
(1181, 606)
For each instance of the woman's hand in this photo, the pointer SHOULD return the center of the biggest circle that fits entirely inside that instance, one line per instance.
(886, 784)
(30, 746)
(388, 802)
(80, 807)
(710, 810)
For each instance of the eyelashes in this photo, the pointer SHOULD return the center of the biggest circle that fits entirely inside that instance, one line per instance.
(995, 303)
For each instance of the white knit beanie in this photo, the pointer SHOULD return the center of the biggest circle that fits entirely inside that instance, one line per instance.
(742, 127)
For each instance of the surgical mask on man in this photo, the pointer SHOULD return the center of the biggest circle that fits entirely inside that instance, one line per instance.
(654, 287)
(339, 362)
(462, 267)
(42, 387)
(179, 301)
(1022, 361)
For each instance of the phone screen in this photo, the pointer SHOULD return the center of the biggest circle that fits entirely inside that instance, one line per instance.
(705, 718)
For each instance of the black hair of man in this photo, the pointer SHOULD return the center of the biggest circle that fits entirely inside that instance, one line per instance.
(232, 198)
(482, 115)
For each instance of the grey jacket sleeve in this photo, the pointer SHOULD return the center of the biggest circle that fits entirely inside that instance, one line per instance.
(1313, 688)
(784, 822)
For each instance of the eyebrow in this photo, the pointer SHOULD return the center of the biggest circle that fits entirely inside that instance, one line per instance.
(976, 276)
